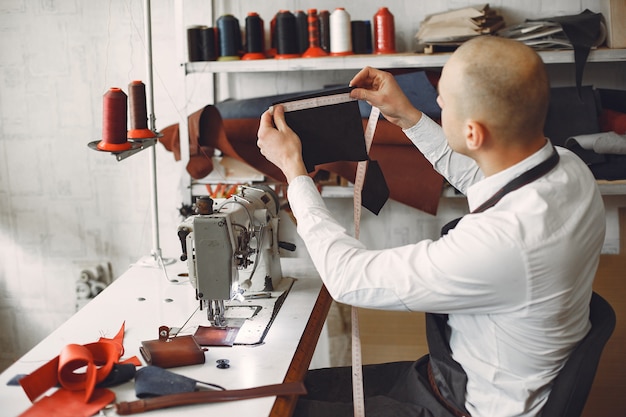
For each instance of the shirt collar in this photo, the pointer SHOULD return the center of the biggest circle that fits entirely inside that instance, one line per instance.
(479, 192)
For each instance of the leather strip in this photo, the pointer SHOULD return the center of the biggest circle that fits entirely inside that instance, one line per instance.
(202, 397)
(96, 358)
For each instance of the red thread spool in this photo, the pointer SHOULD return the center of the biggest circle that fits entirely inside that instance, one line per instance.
(114, 121)
(314, 49)
(138, 113)
(384, 32)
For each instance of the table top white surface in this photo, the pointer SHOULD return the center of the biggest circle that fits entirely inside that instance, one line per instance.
(143, 300)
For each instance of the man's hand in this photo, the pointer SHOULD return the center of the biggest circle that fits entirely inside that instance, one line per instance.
(381, 90)
(279, 144)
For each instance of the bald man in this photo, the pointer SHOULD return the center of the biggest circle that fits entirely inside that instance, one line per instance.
(507, 289)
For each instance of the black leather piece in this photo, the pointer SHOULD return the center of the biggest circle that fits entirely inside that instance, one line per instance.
(121, 372)
(152, 381)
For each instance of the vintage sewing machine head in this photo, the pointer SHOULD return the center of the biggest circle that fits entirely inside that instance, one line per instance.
(231, 248)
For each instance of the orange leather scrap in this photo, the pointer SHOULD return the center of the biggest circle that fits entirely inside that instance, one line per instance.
(78, 395)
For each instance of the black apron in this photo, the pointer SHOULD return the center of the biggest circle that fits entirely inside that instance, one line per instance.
(448, 375)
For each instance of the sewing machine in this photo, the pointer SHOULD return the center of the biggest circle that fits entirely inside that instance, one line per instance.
(232, 248)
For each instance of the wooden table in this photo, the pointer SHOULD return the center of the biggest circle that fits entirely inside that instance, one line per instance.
(144, 300)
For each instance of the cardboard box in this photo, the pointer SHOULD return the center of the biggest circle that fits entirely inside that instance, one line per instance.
(614, 12)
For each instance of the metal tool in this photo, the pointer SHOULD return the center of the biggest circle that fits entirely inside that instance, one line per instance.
(232, 248)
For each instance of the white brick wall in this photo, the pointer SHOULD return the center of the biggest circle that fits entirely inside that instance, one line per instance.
(63, 205)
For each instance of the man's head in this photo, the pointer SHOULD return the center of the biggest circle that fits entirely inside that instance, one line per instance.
(495, 85)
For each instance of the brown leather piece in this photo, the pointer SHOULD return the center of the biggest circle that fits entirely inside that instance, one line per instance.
(178, 351)
(202, 397)
(410, 177)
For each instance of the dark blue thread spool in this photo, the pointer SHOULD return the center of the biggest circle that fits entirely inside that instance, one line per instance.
(229, 35)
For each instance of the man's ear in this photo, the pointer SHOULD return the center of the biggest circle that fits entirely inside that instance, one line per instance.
(475, 135)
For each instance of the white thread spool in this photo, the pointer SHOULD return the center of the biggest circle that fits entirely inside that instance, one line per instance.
(340, 32)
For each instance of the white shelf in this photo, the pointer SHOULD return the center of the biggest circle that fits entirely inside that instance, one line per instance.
(617, 187)
(352, 62)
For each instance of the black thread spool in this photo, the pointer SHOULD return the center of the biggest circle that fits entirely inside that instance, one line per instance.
(286, 35)
(138, 112)
(368, 37)
(201, 43)
(302, 31)
(229, 36)
(194, 51)
(324, 26)
(114, 121)
(208, 43)
(255, 37)
(359, 34)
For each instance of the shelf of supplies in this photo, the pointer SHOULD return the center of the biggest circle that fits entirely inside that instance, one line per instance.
(354, 62)
(617, 187)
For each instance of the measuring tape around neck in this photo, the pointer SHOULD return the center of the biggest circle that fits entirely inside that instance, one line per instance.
(358, 396)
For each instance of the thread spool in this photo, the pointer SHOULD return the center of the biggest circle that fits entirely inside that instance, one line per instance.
(286, 35)
(208, 43)
(324, 26)
(359, 37)
(201, 43)
(271, 52)
(255, 41)
(138, 112)
(229, 38)
(368, 37)
(313, 29)
(302, 31)
(340, 32)
(384, 32)
(114, 122)
(194, 51)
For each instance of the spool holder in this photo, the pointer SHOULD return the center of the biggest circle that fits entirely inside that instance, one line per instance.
(139, 145)
(136, 147)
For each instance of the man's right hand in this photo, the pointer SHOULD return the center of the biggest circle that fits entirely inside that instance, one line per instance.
(380, 89)
(279, 144)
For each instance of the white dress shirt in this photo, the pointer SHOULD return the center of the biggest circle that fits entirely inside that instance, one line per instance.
(516, 280)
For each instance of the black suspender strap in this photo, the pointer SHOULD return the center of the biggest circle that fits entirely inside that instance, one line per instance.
(527, 177)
